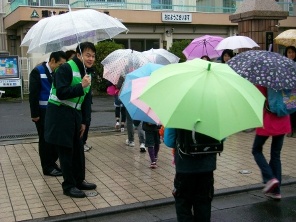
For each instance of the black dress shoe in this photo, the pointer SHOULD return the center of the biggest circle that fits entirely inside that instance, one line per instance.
(86, 186)
(54, 173)
(57, 168)
(74, 192)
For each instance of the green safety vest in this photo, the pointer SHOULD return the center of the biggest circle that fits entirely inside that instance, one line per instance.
(73, 102)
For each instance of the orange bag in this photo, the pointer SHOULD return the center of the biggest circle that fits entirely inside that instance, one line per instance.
(161, 131)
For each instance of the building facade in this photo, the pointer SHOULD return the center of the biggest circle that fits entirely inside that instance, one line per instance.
(151, 23)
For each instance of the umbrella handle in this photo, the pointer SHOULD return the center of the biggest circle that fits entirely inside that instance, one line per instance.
(193, 132)
(193, 136)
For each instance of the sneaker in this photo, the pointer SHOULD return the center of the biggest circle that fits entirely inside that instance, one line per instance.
(132, 144)
(270, 185)
(87, 147)
(117, 125)
(128, 143)
(142, 148)
(275, 196)
(122, 128)
(153, 165)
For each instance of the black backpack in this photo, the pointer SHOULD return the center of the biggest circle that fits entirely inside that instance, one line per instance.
(194, 143)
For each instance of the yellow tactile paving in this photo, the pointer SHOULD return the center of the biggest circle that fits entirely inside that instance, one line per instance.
(122, 174)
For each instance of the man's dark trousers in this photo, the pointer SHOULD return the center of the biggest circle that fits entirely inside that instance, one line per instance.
(72, 161)
(47, 152)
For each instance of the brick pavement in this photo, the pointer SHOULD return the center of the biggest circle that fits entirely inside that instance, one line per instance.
(122, 174)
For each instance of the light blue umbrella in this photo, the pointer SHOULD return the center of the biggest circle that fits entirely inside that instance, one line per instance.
(125, 94)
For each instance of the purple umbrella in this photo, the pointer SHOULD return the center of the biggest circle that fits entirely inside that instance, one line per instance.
(204, 45)
(265, 68)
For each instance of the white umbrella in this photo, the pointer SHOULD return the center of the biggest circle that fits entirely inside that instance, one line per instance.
(33, 31)
(73, 27)
(236, 42)
(161, 56)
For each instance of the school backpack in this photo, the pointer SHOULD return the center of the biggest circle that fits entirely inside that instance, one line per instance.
(193, 143)
(281, 102)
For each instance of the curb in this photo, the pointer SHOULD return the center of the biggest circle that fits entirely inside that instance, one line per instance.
(149, 204)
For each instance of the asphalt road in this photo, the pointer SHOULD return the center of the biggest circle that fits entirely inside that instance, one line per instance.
(15, 118)
(250, 206)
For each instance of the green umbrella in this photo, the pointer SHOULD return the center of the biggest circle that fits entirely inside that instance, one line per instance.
(210, 98)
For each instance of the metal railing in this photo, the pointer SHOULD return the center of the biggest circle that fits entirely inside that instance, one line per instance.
(154, 5)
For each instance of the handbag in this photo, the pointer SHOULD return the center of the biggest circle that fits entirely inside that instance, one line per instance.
(112, 90)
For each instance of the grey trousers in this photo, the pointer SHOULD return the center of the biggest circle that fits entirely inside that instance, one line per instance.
(130, 130)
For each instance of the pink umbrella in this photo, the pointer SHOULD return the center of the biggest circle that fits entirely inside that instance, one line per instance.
(137, 87)
(204, 45)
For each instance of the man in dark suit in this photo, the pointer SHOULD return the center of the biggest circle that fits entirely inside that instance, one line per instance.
(68, 112)
(39, 86)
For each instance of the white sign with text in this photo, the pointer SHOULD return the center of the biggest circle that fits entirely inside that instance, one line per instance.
(176, 17)
(10, 82)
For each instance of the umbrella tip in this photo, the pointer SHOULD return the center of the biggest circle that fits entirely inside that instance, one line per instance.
(209, 66)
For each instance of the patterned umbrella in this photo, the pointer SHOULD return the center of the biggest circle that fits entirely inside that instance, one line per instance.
(121, 62)
(265, 68)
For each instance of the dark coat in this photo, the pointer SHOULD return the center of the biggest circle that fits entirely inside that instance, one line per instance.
(62, 123)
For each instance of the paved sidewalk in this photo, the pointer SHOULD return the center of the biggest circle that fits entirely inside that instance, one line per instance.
(123, 177)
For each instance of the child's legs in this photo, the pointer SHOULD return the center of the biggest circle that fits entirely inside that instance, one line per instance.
(129, 127)
(117, 113)
(123, 114)
(141, 133)
(157, 142)
(149, 142)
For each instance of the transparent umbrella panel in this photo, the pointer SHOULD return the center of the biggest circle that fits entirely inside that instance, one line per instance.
(59, 31)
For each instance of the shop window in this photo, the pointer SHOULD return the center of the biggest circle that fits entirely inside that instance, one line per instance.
(123, 42)
(152, 44)
(138, 45)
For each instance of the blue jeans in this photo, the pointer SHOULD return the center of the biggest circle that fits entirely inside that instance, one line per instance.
(273, 169)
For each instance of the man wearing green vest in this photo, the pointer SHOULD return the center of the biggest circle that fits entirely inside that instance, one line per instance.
(68, 111)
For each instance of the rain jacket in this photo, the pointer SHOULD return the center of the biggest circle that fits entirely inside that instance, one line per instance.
(273, 125)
